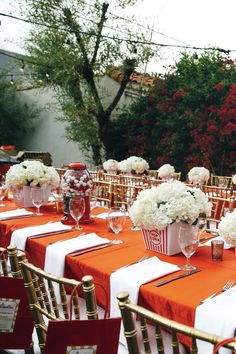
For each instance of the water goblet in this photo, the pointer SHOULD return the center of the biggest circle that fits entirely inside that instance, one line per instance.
(37, 197)
(3, 193)
(130, 202)
(77, 209)
(116, 220)
(201, 225)
(188, 241)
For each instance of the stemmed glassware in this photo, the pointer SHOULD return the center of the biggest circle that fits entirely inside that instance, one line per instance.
(130, 202)
(3, 192)
(188, 241)
(94, 203)
(116, 220)
(37, 197)
(77, 209)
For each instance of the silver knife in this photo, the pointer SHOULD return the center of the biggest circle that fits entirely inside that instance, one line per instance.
(177, 277)
(95, 248)
(51, 233)
(17, 217)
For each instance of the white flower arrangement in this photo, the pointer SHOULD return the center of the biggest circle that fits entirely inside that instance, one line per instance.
(76, 186)
(31, 173)
(160, 206)
(166, 171)
(110, 165)
(199, 175)
(234, 179)
(227, 228)
(134, 164)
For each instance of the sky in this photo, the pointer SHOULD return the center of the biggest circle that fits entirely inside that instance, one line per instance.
(201, 23)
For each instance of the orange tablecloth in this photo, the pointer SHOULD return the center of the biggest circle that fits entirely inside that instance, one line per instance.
(176, 300)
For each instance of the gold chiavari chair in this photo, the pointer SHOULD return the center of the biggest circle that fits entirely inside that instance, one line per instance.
(215, 191)
(123, 194)
(220, 206)
(103, 192)
(177, 176)
(221, 181)
(3, 262)
(159, 322)
(135, 180)
(12, 287)
(44, 302)
(111, 177)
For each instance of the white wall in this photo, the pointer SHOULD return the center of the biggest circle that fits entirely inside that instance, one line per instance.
(48, 134)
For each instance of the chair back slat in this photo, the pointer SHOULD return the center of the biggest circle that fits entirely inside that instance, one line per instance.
(221, 181)
(3, 262)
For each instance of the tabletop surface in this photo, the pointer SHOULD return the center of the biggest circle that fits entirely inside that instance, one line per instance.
(176, 300)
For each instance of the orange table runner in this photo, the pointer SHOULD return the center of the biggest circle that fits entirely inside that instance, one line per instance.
(176, 300)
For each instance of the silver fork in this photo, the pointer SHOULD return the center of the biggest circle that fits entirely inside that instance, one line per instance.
(127, 265)
(227, 286)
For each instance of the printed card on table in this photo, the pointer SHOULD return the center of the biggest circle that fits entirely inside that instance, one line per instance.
(82, 349)
(8, 313)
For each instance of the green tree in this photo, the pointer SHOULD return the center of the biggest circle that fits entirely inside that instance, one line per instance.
(16, 117)
(74, 47)
(188, 118)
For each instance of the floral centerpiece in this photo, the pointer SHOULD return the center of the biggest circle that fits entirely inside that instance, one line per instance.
(134, 164)
(20, 178)
(227, 228)
(32, 174)
(166, 171)
(199, 175)
(76, 185)
(110, 166)
(159, 208)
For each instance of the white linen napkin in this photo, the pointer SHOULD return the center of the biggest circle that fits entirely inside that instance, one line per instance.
(131, 278)
(226, 245)
(55, 253)
(217, 316)
(13, 213)
(102, 215)
(19, 237)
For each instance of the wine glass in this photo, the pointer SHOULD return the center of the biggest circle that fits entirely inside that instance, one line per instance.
(37, 197)
(94, 203)
(188, 241)
(130, 202)
(77, 209)
(201, 225)
(3, 192)
(116, 220)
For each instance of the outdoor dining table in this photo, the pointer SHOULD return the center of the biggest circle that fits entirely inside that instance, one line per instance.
(176, 300)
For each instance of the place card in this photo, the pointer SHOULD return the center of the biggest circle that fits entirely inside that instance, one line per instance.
(8, 313)
(82, 349)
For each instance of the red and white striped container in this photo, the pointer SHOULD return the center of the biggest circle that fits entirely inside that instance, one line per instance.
(163, 241)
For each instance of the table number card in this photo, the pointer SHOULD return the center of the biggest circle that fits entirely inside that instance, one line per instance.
(8, 313)
(82, 349)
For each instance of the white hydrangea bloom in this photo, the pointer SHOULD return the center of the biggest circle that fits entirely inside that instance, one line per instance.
(110, 165)
(199, 175)
(31, 173)
(227, 227)
(134, 164)
(160, 206)
(234, 179)
(165, 171)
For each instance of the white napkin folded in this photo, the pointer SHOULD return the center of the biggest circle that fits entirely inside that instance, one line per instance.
(55, 253)
(102, 216)
(13, 213)
(217, 316)
(19, 237)
(226, 245)
(131, 278)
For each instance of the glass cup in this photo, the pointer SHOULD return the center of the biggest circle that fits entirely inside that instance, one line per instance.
(77, 209)
(217, 248)
(188, 242)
